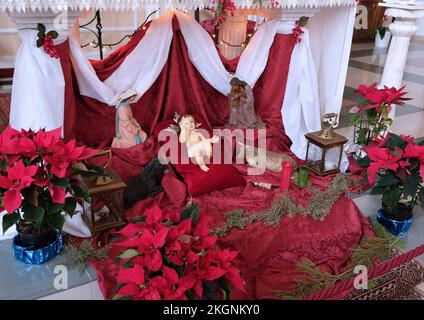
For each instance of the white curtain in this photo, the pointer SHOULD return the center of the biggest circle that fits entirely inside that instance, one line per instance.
(42, 105)
(140, 69)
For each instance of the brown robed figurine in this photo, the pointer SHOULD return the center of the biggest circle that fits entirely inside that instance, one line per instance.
(241, 106)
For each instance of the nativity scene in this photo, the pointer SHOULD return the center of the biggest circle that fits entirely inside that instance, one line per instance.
(251, 195)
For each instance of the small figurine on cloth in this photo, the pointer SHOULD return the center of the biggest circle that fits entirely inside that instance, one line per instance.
(128, 131)
(241, 106)
(197, 145)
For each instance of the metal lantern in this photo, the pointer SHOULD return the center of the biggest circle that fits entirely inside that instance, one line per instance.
(323, 155)
(106, 203)
(325, 147)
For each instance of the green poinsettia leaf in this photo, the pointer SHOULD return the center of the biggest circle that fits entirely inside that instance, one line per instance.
(355, 118)
(33, 214)
(128, 254)
(9, 220)
(192, 212)
(81, 193)
(70, 206)
(388, 180)
(41, 27)
(395, 141)
(56, 221)
(391, 197)
(53, 208)
(364, 162)
(63, 182)
(411, 184)
(53, 34)
(377, 190)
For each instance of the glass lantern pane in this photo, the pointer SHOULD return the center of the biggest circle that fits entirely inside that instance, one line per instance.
(332, 158)
(314, 157)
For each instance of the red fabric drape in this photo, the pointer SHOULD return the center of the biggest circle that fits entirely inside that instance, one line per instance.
(179, 88)
(267, 254)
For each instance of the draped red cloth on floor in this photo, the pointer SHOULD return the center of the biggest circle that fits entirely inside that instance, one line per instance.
(267, 254)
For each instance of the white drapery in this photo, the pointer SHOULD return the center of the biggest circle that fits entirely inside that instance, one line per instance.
(140, 69)
(300, 109)
(44, 105)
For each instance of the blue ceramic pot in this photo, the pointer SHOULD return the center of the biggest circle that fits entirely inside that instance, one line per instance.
(395, 227)
(30, 255)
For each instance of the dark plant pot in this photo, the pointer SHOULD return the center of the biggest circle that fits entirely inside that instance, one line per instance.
(36, 240)
(35, 254)
(395, 226)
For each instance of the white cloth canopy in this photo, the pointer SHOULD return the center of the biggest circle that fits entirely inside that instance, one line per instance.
(140, 69)
(300, 110)
(118, 5)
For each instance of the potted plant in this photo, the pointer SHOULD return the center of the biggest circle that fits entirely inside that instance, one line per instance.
(371, 117)
(395, 167)
(38, 184)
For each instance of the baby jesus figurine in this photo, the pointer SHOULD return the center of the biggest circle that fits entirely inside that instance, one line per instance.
(197, 145)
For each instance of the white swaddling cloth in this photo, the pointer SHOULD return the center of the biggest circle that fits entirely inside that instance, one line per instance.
(194, 148)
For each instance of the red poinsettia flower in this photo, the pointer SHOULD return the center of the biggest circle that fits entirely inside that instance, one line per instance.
(135, 284)
(396, 96)
(57, 193)
(202, 238)
(364, 90)
(376, 97)
(61, 155)
(204, 272)
(417, 152)
(171, 286)
(224, 259)
(149, 245)
(381, 159)
(12, 142)
(18, 177)
(43, 139)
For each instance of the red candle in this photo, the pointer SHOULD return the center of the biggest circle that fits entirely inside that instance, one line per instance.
(286, 173)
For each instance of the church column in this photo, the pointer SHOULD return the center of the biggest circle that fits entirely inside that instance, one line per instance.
(402, 29)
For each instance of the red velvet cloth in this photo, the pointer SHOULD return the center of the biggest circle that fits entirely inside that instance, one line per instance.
(267, 254)
(179, 88)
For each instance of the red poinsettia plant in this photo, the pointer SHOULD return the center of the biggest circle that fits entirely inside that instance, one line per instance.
(395, 166)
(38, 180)
(371, 117)
(171, 256)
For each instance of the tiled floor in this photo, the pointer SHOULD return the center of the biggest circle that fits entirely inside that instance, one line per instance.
(365, 67)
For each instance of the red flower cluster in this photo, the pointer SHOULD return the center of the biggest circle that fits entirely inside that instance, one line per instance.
(49, 47)
(171, 259)
(224, 8)
(398, 159)
(378, 98)
(36, 162)
(297, 34)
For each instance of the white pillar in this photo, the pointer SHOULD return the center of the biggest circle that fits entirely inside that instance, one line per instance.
(402, 29)
(233, 32)
(38, 91)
